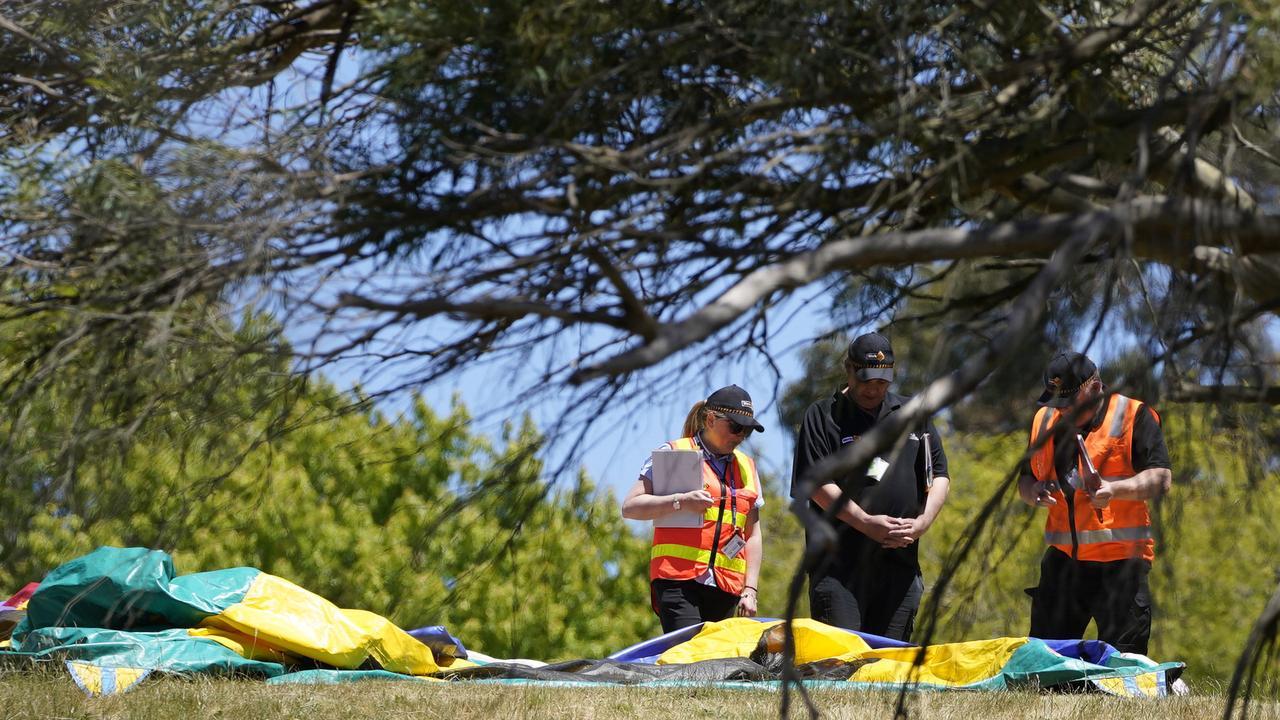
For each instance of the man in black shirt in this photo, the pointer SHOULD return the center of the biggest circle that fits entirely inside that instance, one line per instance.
(1098, 527)
(872, 583)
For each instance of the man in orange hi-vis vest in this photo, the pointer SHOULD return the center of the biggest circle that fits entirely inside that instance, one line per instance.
(1099, 527)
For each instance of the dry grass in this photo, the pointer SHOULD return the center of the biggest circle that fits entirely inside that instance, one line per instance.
(51, 694)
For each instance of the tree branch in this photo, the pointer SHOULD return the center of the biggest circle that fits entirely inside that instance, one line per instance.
(1159, 228)
(1225, 393)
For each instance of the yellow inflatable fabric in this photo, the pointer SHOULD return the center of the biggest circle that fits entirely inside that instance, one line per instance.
(97, 680)
(1144, 685)
(279, 615)
(739, 637)
(246, 646)
(950, 665)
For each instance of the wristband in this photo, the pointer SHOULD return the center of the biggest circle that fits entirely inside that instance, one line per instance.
(749, 587)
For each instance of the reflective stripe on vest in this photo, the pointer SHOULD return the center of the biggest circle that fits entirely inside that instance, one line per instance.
(1088, 537)
(713, 513)
(697, 555)
(1117, 416)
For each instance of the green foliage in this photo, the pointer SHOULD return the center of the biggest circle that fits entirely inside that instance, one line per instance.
(783, 547)
(90, 450)
(985, 597)
(416, 518)
(631, 160)
(822, 373)
(1216, 561)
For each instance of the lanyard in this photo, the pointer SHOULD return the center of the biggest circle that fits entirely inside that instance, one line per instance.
(733, 497)
(723, 477)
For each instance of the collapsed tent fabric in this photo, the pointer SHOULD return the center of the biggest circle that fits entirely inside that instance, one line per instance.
(747, 650)
(648, 651)
(744, 652)
(171, 651)
(116, 615)
(999, 663)
(440, 640)
(126, 607)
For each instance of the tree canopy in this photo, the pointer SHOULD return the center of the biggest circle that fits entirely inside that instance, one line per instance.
(645, 179)
(613, 196)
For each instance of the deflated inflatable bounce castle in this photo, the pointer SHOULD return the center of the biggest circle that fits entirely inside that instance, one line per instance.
(118, 616)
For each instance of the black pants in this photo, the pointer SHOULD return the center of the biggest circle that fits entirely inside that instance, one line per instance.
(881, 598)
(1072, 592)
(681, 603)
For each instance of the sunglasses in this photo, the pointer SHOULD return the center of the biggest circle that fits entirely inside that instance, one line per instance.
(735, 428)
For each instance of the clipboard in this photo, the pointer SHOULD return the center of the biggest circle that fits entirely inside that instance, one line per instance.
(677, 471)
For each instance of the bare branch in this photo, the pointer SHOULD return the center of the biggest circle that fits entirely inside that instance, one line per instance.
(1225, 393)
(1158, 226)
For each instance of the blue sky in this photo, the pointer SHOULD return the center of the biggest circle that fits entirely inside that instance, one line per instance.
(618, 445)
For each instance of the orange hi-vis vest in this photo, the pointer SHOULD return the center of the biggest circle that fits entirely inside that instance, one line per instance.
(686, 553)
(1125, 529)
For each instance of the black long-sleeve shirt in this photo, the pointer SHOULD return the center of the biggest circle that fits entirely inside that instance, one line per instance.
(833, 422)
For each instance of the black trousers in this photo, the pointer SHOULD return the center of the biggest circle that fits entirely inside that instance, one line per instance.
(880, 598)
(681, 603)
(1073, 592)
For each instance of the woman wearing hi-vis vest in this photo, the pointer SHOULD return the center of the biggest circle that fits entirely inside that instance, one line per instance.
(701, 574)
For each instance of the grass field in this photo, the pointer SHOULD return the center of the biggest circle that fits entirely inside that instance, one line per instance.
(51, 694)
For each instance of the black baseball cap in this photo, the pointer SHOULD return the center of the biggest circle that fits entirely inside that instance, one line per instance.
(1065, 374)
(734, 403)
(872, 357)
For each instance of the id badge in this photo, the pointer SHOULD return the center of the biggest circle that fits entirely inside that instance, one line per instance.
(876, 469)
(734, 547)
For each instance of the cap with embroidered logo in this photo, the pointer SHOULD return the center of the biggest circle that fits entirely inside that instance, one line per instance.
(734, 403)
(872, 357)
